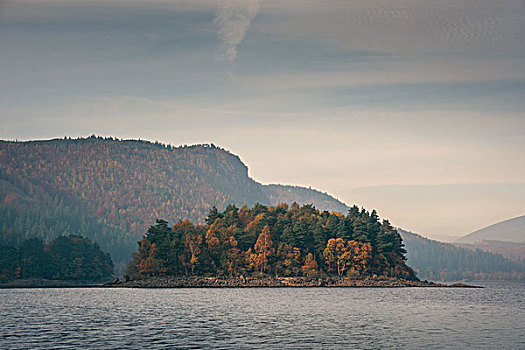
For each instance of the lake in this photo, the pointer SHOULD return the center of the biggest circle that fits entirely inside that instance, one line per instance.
(364, 318)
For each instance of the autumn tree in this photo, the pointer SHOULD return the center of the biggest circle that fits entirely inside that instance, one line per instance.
(310, 268)
(361, 254)
(336, 253)
(151, 265)
(234, 257)
(212, 241)
(288, 260)
(193, 243)
(252, 259)
(263, 248)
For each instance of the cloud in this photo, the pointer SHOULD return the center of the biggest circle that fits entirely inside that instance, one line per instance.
(233, 19)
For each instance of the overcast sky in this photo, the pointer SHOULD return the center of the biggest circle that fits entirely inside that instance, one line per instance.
(415, 108)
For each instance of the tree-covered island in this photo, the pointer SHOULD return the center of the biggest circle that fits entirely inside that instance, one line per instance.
(298, 243)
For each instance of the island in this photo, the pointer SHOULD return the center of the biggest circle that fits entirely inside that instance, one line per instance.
(273, 246)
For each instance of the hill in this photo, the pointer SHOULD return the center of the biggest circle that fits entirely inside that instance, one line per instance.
(111, 190)
(435, 260)
(512, 230)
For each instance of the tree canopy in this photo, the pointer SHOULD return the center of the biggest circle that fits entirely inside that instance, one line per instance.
(64, 258)
(279, 240)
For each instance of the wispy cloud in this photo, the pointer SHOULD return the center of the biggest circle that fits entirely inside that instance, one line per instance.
(233, 19)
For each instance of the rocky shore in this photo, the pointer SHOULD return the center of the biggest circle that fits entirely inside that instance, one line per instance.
(274, 282)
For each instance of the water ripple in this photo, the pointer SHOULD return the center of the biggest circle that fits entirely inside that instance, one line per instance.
(409, 318)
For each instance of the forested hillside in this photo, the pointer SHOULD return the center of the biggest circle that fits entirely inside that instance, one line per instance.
(443, 261)
(282, 241)
(111, 190)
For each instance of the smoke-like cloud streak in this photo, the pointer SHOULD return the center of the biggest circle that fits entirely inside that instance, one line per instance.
(233, 19)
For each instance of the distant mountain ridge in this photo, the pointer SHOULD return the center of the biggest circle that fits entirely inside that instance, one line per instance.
(111, 190)
(511, 230)
(511, 250)
(435, 260)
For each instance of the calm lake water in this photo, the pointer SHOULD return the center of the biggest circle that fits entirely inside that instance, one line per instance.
(414, 318)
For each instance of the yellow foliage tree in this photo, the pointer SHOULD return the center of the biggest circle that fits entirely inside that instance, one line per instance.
(336, 253)
(351, 254)
(263, 248)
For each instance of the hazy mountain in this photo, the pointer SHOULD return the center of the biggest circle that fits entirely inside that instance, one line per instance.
(112, 190)
(512, 250)
(512, 230)
(435, 260)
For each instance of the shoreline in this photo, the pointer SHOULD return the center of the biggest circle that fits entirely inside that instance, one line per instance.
(238, 282)
(278, 282)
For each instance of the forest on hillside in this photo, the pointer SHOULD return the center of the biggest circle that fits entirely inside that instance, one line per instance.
(279, 241)
(434, 260)
(111, 190)
(64, 258)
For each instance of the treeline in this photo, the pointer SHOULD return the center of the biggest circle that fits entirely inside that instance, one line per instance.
(111, 190)
(434, 260)
(281, 240)
(64, 258)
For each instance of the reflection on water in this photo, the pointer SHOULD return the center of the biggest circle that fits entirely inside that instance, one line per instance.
(490, 318)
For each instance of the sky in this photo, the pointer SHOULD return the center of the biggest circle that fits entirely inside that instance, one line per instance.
(414, 108)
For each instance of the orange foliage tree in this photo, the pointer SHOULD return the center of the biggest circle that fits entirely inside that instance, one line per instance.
(351, 254)
(310, 268)
(263, 248)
